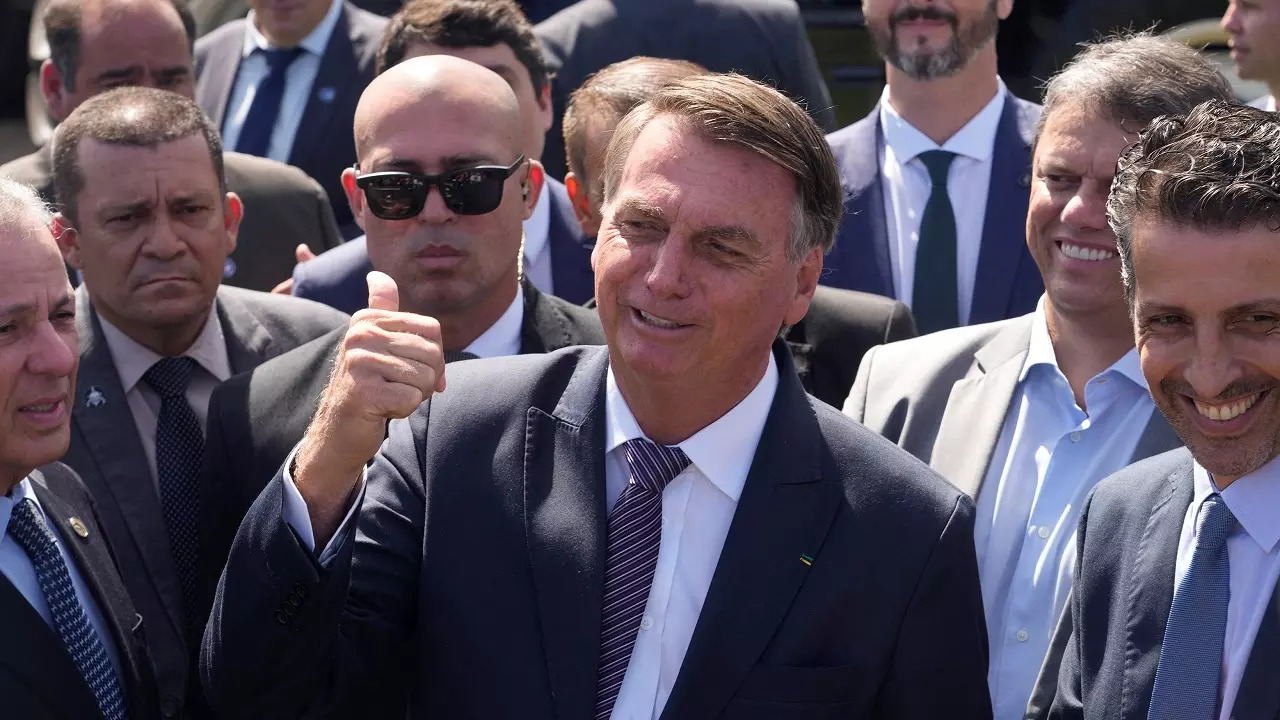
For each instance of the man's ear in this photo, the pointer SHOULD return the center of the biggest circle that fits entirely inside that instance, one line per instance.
(578, 197)
(355, 196)
(532, 187)
(68, 240)
(545, 114)
(232, 214)
(807, 273)
(54, 91)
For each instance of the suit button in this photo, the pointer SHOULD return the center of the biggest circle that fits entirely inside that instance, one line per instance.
(169, 707)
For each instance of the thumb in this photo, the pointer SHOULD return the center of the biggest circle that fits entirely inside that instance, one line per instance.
(302, 253)
(383, 294)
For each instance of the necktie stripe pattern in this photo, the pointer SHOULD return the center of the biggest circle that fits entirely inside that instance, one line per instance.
(179, 448)
(635, 535)
(935, 297)
(1189, 673)
(264, 109)
(27, 526)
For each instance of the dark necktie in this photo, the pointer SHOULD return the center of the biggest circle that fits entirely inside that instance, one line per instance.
(635, 533)
(255, 133)
(1187, 678)
(456, 355)
(934, 297)
(179, 447)
(27, 526)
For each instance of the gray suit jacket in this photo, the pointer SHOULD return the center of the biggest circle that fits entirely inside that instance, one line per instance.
(107, 453)
(282, 208)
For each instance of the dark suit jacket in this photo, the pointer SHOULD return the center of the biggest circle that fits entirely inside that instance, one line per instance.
(282, 208)
(840, 327)
(762, 39)
(38, 678)
(1127, 546)
(325, 142)
(107, 452)
(337, 278)
(1008, 282)
(473, 587)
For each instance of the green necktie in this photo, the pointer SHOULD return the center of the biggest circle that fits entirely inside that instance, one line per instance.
(934, 297)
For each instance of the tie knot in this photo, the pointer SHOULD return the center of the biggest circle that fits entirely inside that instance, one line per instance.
(27, 526)
(170, 376)
(279, 59)
(1215, 523)
(652, 465)
(938, 163)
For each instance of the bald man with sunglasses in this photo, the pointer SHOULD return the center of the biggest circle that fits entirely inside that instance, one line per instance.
(443, 213)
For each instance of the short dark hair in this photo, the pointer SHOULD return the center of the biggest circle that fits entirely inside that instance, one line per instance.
(1215, 168)
(135, 116)
(611, 93)
(460, 24)
(62, 30)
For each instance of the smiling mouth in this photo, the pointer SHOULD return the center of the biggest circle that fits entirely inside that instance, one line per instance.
(657, 321)
(1080, 252)
(1229, 411)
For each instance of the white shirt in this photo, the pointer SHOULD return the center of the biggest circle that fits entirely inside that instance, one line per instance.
(503, 336)
(537, 248)
(299, 79)
(907, 188)
(1049, 456)
(132, 361)
(1254, 560)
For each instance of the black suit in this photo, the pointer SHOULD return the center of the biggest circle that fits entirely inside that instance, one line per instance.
(1127, 547)
(38, 678)
(473, 588)
(325, 144)
(840, 327)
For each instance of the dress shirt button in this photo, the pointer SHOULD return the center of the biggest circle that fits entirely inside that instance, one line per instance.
(1075, 436)
(169, 707)
(1023, 635)
(646, 623)
(1044, 533)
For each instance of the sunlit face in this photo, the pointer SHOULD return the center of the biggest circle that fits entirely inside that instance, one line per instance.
(39, 352)
(288, 22)
(1207, 317)
(692, 277)
(927, 40)
(1253, 26)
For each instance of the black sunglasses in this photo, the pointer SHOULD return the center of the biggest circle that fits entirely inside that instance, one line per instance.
(466, 191)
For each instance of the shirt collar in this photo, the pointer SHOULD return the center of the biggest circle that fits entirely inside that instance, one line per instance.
(19, 492)
(503, 336)
(723, 450)
(538, 226)
(1040, 352)
(133, 360)
(976, 140)
(1254, 499)
(314, 43)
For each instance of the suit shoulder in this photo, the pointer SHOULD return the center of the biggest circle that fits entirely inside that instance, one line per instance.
(264, 174)
(853, 136)
(286, 316)
(1126, 487)
(853, 305)
(228, 32)
(585, 322)
(943, 347)
(365, 27)
(27, 169)
(63, 482)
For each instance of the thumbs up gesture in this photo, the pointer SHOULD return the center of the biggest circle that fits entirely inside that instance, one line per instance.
(389, 362)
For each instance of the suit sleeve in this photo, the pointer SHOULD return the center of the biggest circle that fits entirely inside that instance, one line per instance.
(902, 325)
(290, 638)
(855, 406)
(940, 666)
(1068, 698)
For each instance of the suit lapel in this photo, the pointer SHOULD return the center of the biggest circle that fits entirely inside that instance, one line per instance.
(338, 72)
(1004, 228)
(861, 252)
(785, 511)
(543, 328)
(971, 424)
(33, 652)
(218, 73)
(565, 527)
(1157, 438)
(248, 342)
(1259, 695)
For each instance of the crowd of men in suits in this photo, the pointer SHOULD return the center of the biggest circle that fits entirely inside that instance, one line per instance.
(445, 365)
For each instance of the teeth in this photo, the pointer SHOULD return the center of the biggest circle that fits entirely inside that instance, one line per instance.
(659, 322)
(41, 408)
(1078, 252)
(1222, 413)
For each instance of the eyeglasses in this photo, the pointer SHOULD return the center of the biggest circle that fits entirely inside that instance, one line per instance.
(468, 191)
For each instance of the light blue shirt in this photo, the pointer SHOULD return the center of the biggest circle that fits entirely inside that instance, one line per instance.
(1050, 455)
(17, 567)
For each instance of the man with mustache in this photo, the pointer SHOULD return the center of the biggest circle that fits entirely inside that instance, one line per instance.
(1175, 611)
(147, 221)
(936, 176)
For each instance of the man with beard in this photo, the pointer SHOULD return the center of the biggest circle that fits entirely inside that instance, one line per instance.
(937, 175)
(1175, 593)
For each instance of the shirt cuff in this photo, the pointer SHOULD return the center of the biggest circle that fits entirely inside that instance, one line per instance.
(299, 517)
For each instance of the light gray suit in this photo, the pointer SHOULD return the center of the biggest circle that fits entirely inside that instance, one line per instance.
(108, 454)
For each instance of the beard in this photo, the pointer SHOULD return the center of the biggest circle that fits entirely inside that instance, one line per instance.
(922, 64)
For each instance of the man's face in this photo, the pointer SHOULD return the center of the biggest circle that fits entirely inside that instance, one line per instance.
(1254, 26)
(39, 352)
(927, 40)
(153, 232)
(535, 103)
(1067, 229)
(444, 263)
(288, 22)
(692, 278)
(125, 43)
(1207, 318)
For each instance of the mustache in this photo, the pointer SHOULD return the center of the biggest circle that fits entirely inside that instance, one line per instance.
(1244, 387)
(911, 13)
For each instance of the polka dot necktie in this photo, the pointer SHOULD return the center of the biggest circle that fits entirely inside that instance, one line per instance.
(635, 534)
(70, 621)
(179, 448)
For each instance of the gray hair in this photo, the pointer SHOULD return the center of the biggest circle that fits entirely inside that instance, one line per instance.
(22, 209)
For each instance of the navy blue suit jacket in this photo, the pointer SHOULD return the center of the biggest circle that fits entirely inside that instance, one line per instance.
(337, 277)
(1008, 283)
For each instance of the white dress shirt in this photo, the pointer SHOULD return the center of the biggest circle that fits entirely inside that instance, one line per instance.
(299, 79)
(537, 248)
(17, 567)
(132, 361)
(1254, 560)
(907, 188)
(1049, 456)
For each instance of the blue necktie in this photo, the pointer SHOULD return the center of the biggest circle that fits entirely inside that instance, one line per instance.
(255, 134)
(27, 526)
(635, 534)
(1187, 679)
(934, 297)
(179, 448)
